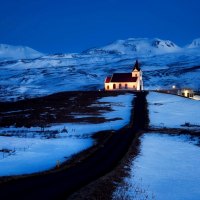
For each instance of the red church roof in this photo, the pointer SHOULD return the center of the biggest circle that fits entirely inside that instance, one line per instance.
(107, 80)
(123, 77)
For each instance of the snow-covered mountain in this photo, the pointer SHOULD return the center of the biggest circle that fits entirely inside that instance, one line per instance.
(9, 52)
(165, 65)
(195, 43)
(137, 46)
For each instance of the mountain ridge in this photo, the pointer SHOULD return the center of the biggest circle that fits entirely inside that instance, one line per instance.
(137, 46)
(49, 74)
(13, 52)
(194, 44)
(143, 46)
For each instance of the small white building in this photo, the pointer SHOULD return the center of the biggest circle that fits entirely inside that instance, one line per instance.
(125, 81)
(186, 92)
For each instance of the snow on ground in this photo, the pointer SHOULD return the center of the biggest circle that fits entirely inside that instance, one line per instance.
(121, 106)
(172, 111)
(36, 153)
(166, 168)
(196, 97)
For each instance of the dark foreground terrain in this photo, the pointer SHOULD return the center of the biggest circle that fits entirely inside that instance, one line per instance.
(57, 108)
(61, 183)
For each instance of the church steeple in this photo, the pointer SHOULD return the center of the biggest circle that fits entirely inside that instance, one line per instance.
(137, 72)
(136, 66)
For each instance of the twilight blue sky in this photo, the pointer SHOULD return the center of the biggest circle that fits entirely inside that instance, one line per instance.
(52, 26)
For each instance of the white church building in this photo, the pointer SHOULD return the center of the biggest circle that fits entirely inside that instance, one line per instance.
(125, 81)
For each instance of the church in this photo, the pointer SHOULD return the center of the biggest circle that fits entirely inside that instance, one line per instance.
(125, 81)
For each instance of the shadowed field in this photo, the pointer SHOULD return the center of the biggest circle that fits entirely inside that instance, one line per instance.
(57, 108)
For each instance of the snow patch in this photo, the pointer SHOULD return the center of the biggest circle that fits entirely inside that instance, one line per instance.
(166, 168)
(172, 111)
(35, 153)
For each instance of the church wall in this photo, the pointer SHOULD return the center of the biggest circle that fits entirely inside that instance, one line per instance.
(135, 74)
(122, 86)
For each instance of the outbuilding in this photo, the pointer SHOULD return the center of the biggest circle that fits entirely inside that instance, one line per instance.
(186, 92)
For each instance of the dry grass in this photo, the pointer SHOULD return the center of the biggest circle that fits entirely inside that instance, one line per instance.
(58, 108)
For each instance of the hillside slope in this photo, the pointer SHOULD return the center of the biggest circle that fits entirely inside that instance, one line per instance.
(166, 65)
(137, 46)
(9, 52)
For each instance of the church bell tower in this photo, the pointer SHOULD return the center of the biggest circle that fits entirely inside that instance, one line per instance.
(137, 72)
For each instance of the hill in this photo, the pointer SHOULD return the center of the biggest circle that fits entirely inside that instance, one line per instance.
(163, 63)
(10, 52)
